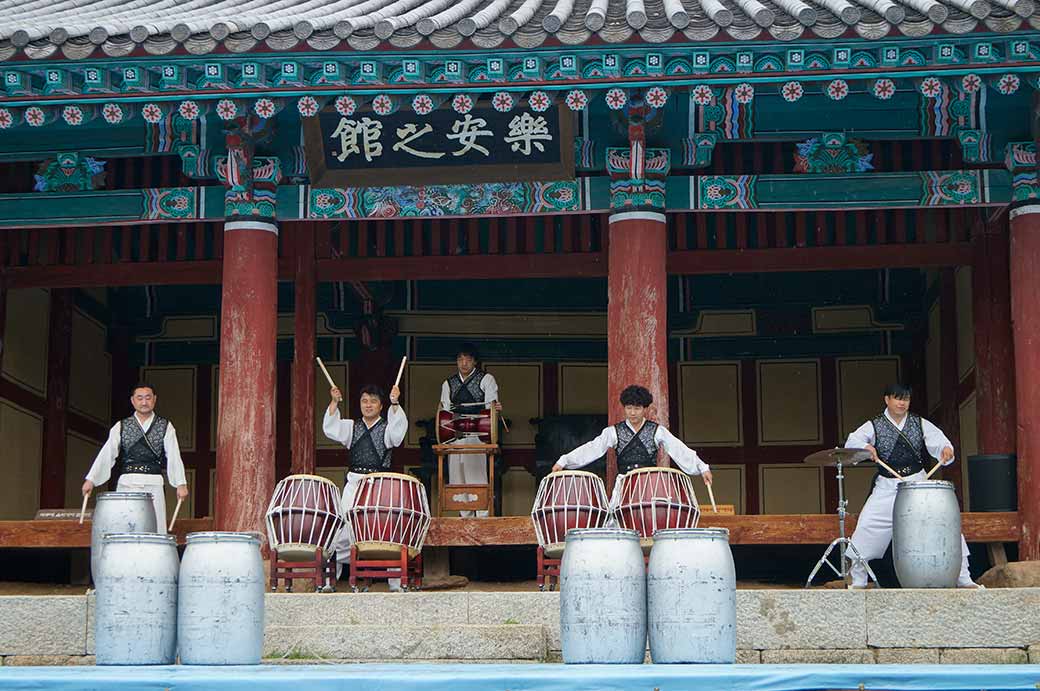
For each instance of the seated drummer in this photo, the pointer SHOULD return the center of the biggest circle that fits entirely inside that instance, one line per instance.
(635, 440)
(370, 445)
(900, 439)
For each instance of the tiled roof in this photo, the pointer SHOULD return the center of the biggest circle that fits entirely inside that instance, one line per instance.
(80, 28)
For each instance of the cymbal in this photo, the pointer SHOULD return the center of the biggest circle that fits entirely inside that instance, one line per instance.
(833, 456)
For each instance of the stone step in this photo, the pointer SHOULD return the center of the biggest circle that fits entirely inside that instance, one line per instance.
(403, 642)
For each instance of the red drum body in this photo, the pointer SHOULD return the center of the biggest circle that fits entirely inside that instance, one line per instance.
(655, 499)
(565, 500)
(390, 510)
(303, 515)
(477, 425)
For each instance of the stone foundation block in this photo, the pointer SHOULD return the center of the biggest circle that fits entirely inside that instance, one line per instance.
(528, 609)
(907, 656)
(37, 660)
(402, 643)
(360, 609)
(820, 657)
(936, 618)
(1034, 654)
(43, 625)
(984, 656)
(749, 657)
(801, 619)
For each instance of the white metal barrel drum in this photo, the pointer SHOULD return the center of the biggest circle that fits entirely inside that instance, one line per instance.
(119, 512)
(220, 600)
(136, 608)
(926, 534)
(603, 597)
(567, 500)
(691, 595)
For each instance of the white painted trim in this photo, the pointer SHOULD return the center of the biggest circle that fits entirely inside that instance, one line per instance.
(251, 225)
(637, 216)
(1023, 210)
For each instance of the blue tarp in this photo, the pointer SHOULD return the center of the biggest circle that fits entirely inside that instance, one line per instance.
(532, 677)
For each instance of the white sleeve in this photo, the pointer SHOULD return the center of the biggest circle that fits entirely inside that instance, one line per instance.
(445, 396)
(684, 456)
(490, 387)
(101, 470)
(174, 463)
(590, 450)
(337, 429)
(396, 427)
(935, 440)
(863, 435)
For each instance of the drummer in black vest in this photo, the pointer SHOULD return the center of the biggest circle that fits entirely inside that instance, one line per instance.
(145, 446)
(469, 390)
(635, 440)
(903, 441)
(370, 441)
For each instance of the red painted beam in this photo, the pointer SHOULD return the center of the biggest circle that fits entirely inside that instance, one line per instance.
(115, 275)
(819, 258)
(470, 267)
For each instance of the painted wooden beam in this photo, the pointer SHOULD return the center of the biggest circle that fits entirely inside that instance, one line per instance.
(819, 258)
(115, 275)
(795, 529)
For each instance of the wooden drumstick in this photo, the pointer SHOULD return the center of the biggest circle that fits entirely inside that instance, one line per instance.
(175, 510)
(400, 370)
(83, 509)
(932, 471)
(886, 467)
(711, 495)
(327, 375)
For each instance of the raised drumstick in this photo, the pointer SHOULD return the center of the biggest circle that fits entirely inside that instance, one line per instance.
(711, 495)
(175, 510)
(327, 375)
(400, 370)
(83, 510)
(932, 471)
(886, 467)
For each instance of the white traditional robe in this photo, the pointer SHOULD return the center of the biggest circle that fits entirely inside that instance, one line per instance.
(101, 470)
(342, 430)
(874, 526)
(469, 468)
(685, 457)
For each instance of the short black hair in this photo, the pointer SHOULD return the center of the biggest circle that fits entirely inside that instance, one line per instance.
(373, 390)
(467, 348)
(900, 391)
(636, 395)
(142, 385)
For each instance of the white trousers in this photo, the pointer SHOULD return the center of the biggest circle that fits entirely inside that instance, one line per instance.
(874, 529)
(343, 539)
(468, 469)
(153, 485)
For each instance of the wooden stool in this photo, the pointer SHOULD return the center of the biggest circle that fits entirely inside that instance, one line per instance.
(408, 569)
(485, 493)
(316, 570)
(548, 569)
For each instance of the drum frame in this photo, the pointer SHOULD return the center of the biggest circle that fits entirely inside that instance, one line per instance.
(296, 550)
(598, 515)
(654, 503)
(414, 533)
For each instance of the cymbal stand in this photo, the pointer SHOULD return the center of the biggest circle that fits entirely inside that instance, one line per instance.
(847, 551)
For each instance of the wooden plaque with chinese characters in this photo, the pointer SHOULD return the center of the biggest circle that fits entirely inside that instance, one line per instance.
(403, 148)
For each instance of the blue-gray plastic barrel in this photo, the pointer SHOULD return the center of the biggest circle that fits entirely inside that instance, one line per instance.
(136, 605)
(603, 597)
(220, 602)
(119, 512)
(926, 534)
(691, 592)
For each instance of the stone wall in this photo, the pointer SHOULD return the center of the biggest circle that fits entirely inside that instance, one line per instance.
(773, 627)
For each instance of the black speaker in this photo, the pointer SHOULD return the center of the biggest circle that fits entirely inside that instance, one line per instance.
(992, 482)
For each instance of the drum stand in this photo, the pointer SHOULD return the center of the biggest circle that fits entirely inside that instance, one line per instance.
(485, 494)
(846, 549)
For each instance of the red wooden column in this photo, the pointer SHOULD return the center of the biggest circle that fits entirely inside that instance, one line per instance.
(994, 350)
(248, 332)
(637, 309)
(1025, 312)
(55, 426)
(305, 327)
